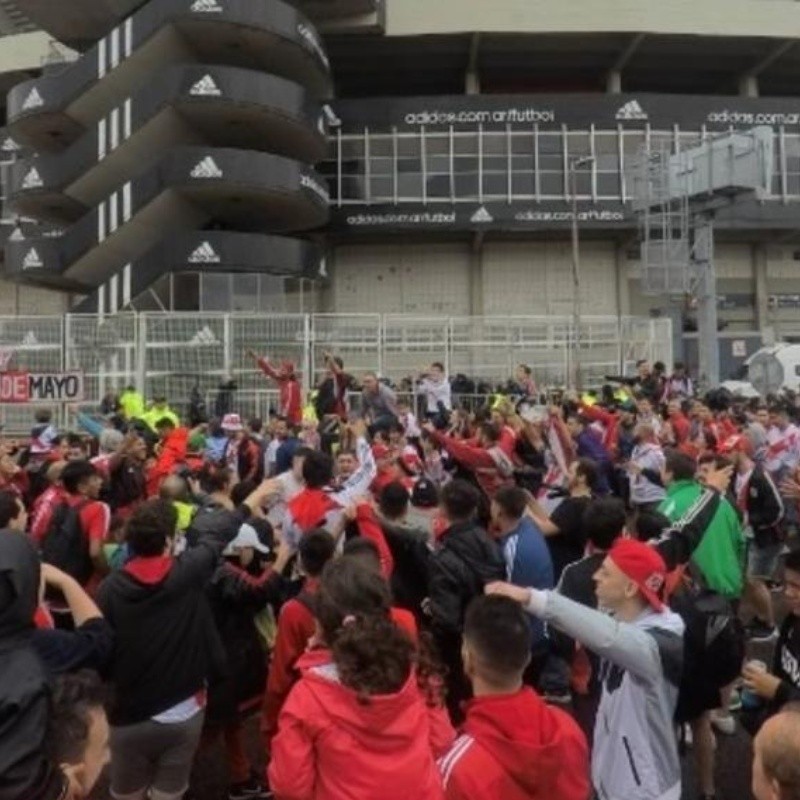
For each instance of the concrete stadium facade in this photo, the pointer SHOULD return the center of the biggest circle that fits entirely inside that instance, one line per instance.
(450, 132)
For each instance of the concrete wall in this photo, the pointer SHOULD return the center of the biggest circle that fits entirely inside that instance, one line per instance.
(503, 278)
(701, 17)
(518, 277)
(16, 299)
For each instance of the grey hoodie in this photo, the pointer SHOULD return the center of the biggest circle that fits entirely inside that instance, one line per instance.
(635, 755)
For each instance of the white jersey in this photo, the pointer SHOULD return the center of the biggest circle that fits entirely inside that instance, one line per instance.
(436, 392)
(783, 452)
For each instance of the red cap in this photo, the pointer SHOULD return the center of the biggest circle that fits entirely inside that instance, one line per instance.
(644, 566)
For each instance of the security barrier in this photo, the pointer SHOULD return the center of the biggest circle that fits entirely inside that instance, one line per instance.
(172, 353)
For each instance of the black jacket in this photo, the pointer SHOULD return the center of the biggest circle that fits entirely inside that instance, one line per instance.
(90, 646)
(167, 648)
(25, 771)
(411, 572)
(786, 663)
(236, 597)
(465, 562)
(764, 508)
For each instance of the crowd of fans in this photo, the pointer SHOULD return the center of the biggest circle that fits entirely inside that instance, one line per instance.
(414, 601)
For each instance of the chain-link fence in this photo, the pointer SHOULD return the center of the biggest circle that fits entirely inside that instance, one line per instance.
(171, 354)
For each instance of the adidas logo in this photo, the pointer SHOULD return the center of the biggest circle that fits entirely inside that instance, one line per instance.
(17, 235)
(32, 180)
(33, 100)
(9, 144)
(206, 7)
(481, 215)
(205, 87)
(632, 111)
(204, 336)
(205, 254)
(32, 260)
(207, 168)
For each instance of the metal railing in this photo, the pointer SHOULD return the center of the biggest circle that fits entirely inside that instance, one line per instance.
(172, 353)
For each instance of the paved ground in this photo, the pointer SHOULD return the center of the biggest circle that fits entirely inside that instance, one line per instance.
(734, 756)
(734, 761)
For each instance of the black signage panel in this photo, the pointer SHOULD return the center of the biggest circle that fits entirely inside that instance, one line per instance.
(660, 111)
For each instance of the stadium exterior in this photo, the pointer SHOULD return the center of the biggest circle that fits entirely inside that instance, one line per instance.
(446, 185)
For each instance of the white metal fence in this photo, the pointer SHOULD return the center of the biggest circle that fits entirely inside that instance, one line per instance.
(170, 353)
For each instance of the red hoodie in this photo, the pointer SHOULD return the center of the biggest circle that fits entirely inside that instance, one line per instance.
(331, 746)
(516, 747)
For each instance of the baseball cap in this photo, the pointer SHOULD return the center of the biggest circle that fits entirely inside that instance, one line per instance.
(424, 494)
(644, 566)
(232, 422)
(247, 537)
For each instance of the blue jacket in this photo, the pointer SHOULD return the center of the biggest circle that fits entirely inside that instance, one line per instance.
(528, 564)
(589, 445)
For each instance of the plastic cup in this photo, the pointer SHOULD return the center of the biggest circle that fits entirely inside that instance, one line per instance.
(750, 700)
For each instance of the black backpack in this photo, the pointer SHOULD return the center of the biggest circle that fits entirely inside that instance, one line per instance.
(65, 546)
(714, 643)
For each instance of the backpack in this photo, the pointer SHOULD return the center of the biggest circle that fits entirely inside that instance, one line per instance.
(65, 546)
(713, 642)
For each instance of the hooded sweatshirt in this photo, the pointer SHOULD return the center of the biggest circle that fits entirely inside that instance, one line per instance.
(167, 646)
(25, 772)
(332, 746)
(635, 753)
(516, 747)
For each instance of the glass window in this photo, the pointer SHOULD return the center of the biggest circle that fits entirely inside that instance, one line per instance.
(607, 164)
(186, 291)
(381, 189)
(244, 292)
(792, 142)
(272, 293)
(551, 164)
(215, 292)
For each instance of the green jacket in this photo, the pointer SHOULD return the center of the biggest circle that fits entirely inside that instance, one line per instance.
(720, 554)
(681, 496)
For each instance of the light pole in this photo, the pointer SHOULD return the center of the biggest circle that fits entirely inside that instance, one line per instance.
(574, 164)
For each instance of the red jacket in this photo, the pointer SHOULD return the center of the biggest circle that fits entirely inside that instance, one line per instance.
(331, 746)
(43, 508)
(295, 627)
(172, 453)
(493, 469)
(681, 427)
(291, 401)
(516, 747)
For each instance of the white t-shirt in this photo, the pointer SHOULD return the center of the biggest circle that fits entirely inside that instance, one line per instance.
(436, 392)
